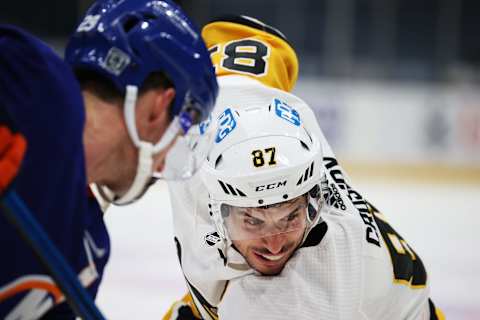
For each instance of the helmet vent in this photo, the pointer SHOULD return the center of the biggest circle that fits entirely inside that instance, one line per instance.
(149, 16)
(130, 23)
(304, 145)
(308, 174)
(230, 190)
(309, 136)
(217, 162)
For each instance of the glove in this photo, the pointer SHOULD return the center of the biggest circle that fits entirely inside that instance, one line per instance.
(12, 150)
(184, 309)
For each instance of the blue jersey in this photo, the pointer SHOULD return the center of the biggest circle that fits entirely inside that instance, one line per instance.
(44, 100)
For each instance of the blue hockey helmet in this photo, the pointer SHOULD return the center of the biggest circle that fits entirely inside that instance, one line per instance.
(127, 40)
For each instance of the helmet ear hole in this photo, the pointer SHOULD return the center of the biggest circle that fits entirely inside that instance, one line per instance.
(225, 211)
(312, 212)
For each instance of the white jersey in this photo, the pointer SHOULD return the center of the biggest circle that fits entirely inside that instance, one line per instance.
(352, 265)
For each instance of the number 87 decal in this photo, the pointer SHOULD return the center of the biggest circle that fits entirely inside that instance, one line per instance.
(248, 56)
(259, 158)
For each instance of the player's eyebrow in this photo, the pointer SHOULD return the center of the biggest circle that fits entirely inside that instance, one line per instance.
(293, 211)
(242, 212)
(253, 217)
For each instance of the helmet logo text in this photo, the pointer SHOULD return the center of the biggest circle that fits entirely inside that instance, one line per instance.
(271, 186)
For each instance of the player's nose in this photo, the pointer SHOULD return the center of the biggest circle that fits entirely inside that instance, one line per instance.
(274, 243)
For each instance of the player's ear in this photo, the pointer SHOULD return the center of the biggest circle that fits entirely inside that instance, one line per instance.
(153, 113)
(160, 111)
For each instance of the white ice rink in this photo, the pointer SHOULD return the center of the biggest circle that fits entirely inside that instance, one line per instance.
(441, 222)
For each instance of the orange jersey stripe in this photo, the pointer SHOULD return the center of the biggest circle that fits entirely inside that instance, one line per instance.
(29, 285)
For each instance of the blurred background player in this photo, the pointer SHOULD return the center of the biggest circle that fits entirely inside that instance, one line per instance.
(268, 180)
(141, 78)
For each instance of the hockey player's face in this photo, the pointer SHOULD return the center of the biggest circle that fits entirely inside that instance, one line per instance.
(111, 156)
(267, 238)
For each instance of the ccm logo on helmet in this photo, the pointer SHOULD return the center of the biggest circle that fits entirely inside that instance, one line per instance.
(271, 186)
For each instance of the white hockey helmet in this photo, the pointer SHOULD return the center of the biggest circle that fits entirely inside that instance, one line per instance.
(263, 155)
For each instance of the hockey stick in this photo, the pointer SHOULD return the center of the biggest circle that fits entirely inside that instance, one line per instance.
(22, 219)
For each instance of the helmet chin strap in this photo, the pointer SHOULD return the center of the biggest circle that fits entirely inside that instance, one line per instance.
(317, 202)
(146, 151)
(141, 181)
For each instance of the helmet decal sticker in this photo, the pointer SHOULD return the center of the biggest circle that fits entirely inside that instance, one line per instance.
(226, 124)
(116, 61)
(286, 112)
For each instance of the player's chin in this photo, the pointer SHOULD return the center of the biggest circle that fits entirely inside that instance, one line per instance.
(271, 272)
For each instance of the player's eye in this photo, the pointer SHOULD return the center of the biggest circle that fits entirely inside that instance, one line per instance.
(252, 221)
(292, 216)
